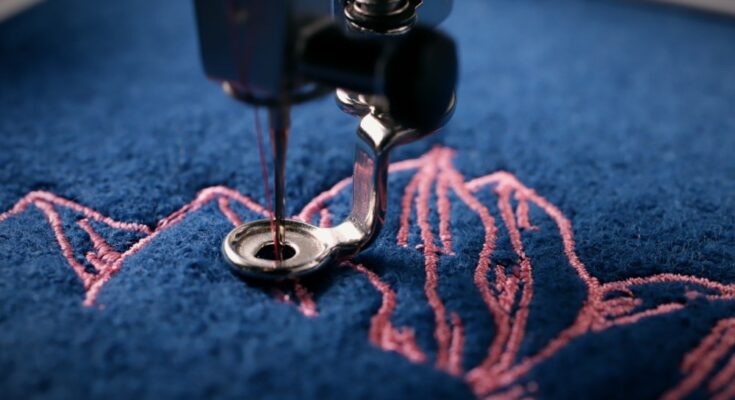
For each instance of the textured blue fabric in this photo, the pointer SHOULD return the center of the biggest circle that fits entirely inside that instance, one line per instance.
(621, 114)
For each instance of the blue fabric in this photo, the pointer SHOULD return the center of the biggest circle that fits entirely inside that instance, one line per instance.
(621, 114)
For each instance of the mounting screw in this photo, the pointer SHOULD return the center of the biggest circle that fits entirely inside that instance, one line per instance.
(382, 16)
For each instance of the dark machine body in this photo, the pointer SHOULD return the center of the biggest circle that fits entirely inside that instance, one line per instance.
(387, 63)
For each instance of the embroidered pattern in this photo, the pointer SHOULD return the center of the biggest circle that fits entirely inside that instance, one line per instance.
(507, 291)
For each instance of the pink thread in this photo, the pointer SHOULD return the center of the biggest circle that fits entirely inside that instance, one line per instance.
(509, 293)
(97, 262)
(406, 205)
(496, 371)
(489, 383)
(712, 349)
(728, 291)
(480, 378)
(563, 224)
(66, 249)
(104, 255)
(325, 218)
(631, 319)
(514, 393)
(456, 346)
(307, 306)
(728, 393)
(104, 251)
(382, 332)
(725, 376)
(264, 174)
(306, 301)
(497, 309)
(502, 324)
(620, 306)
(203, 198)
(406, 165)
(442, 332)
(594, 312)
(318, 202)
(281, 296)
(519, 322)
(522, 213)
(445, 209)
(224, 207)
(50, 198)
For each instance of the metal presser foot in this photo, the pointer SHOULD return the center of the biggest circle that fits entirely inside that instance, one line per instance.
(307, 248)
(390, 68)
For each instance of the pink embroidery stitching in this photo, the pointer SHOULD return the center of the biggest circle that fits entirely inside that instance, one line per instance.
(108, 263)
(382, 332)
(700, 362)
(507, 297)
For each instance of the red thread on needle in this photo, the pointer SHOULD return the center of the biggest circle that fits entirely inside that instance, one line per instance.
(264, 172)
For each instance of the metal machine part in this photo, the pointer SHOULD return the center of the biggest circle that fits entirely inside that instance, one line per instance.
(390, 17)
(382, 16)
(391, 69)
(311, 247)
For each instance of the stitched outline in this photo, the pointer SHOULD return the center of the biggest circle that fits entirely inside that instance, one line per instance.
(607, 305)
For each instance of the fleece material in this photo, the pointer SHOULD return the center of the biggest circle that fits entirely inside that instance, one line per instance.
(568, 235)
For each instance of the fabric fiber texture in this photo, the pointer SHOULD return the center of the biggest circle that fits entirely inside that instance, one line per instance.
(569, 234)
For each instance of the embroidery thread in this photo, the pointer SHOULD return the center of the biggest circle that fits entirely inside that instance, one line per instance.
(507, 291)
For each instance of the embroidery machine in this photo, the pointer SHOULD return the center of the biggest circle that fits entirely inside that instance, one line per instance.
(389, 67)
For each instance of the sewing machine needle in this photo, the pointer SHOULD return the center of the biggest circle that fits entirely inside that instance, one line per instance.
(280, 121)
